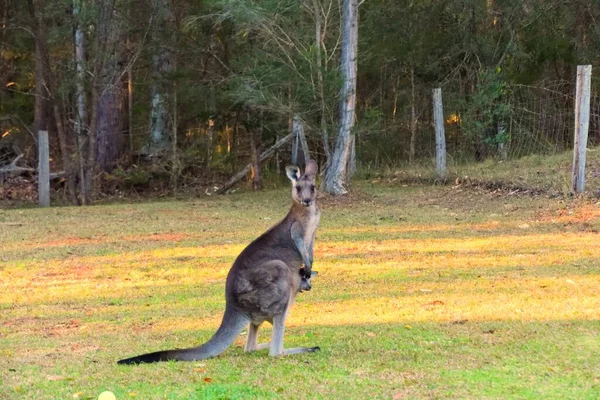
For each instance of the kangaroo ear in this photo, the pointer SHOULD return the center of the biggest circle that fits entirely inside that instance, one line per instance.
(292, 172)
(311, 168)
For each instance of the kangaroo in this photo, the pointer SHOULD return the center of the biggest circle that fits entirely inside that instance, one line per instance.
(264, 280)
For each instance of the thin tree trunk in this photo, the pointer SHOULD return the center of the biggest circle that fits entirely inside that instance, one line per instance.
(295, 140)
(99, 65)
(321, 89)
(256, 181)
(5, 11)
(395, 109)
(335, 175)
(413, 119)
(255, 144)
(130, 105)
(175, 160)
(50, 85)
(228, 131)
(110, 109)
(352, 161)
(90, 165)
(162, 65)
(298, 128)
(235, 140)
(80, 120)
(210, 132)
(40, 115)
(277, 166)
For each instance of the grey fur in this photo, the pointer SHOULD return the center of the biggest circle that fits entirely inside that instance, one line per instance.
(264, 280)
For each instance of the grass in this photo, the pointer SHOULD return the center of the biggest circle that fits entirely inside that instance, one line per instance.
(548, 174)
(422, 292)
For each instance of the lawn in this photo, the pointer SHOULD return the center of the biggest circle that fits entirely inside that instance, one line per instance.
(422, 292)
(536, 173)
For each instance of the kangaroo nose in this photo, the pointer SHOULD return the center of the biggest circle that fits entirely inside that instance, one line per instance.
(306, 202)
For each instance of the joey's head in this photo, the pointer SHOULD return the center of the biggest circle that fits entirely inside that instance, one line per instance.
(304, 191)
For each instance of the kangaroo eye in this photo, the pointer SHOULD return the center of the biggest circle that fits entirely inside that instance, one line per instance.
(312, 188)
(298, 189)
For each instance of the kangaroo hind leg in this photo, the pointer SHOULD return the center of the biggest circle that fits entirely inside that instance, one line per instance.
(277, 348)
(252, 340)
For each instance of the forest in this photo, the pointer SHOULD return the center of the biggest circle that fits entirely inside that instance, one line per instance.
(166, 96)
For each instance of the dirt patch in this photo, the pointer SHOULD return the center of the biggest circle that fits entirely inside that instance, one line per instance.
(157, 237)
(355, 196)
(154, 237)
(572, 213)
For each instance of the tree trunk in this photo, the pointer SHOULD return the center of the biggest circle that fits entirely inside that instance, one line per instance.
(130, 103)
(256, 180)
(40, 114)
(90, 162)
(210, 131)
(335, 175)
(295, 140)
(413, 119)
(163, 61)
(352, 160)
(110, 101)
(4, 64)
(39, 31)
(321, 89)
(299, 141)
(80, 119)
(174, 157)
(256, 144)
(105, 10)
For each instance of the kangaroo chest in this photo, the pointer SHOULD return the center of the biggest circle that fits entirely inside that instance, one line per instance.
(311, 225)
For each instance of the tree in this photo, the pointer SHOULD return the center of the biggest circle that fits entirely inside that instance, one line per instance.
(282, 60)
(163, 64)
(50, 82)
(81, 111)
(110, 98)
(336, 173)
(102, 123)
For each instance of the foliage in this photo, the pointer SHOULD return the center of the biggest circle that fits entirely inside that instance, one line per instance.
(237, 60)
(486, 109)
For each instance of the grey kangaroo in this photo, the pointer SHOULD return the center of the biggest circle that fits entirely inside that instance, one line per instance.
(264, 280)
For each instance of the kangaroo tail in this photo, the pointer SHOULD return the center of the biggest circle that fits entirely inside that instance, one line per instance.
(232, 325)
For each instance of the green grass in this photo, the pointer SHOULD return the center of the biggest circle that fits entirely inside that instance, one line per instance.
(422, 292)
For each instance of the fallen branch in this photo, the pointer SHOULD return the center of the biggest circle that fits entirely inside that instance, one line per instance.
(56, 175)
(265, 154)
(12, 170)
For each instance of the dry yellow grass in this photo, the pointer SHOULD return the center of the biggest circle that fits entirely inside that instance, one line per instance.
(421, 292)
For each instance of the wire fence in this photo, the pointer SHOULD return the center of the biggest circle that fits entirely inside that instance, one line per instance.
(524, 120)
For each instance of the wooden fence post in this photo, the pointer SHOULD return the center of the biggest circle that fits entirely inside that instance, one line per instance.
(440, 135)
(43, 169)
(501, 132)
(582, 121)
